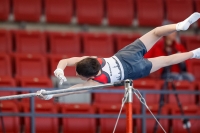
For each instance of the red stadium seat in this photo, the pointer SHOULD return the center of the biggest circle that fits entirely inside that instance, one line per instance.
(28, 65)
(197, 4)
(64, 43)
(178, 10)
(98, 44)
(109, 98)
(120, 12)
(85, 125)
(27, 10)
(36, 82)
(7, 82)
(191, 42)
(107, 124)
(5, 41)
(54, 59)
(30, 42)
(123, 40)
(148, 84)
(89, 11)
(4, 9)
(5, 65)
(6, 79)
(150, 13)
(178, 124)
(42, 124)
(11, 123)
(58, 11)
(193, 67)
(184, 98)
(151, 122)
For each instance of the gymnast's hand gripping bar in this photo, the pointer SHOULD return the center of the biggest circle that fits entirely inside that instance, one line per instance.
(120, 83)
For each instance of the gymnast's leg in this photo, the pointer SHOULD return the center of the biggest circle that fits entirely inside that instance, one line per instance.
(163, 61)
(150, 38)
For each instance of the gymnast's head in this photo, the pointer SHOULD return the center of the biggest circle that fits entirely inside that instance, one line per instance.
(87, 68)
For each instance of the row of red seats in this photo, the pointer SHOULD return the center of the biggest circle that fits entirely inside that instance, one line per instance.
(149, 13)
(89, 125)
(31, 65)
(22, 41)
(63, 43)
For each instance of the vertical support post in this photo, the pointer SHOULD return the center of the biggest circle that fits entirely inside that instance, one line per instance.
(32, 109)
(128, 104)
(143, 115)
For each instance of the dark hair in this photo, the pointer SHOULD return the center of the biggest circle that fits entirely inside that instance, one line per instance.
(88, 67)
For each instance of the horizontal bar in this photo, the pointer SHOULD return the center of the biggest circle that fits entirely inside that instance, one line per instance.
(28, 95)
(99, 115)
(78, 89)
(112, 91)
(17, 96)
(63, 91)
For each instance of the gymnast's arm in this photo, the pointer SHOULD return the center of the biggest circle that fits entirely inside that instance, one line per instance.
(86, 84)
(71, 61)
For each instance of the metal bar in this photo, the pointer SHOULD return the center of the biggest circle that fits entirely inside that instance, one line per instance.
(77, 89)
(97, 115)
(129, 112)
(114, 91)
(17, 96)
(63, 90)
(91, 88)
(144, 116)
(32, 108)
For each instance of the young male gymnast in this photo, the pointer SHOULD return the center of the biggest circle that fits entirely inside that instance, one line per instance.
(128, 63)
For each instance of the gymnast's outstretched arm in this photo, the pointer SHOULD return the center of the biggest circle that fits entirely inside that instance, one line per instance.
(59, 72)
(71, 61)
(86, 84)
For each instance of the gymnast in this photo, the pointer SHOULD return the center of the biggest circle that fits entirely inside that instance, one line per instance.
(127, 63)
